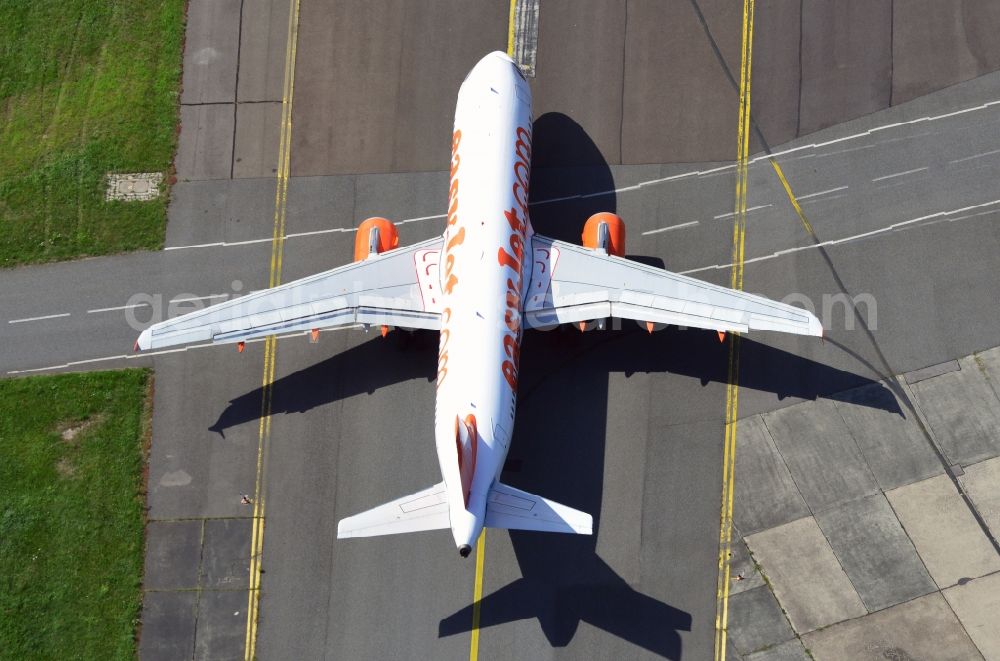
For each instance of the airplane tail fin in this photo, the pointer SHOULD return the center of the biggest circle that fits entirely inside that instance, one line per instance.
(424, 510)
(507, 507)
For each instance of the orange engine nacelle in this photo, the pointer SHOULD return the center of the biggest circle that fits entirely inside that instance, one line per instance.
(375, 235)
(605, 231)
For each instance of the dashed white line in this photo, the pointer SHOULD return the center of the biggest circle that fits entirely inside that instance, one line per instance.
(898, 174)
(822, 192)
(970, 158)
(863, 235)
(671, 227)
(733, 213)
(47, 316)
(120, 307)
(197, 298)
(133, 356)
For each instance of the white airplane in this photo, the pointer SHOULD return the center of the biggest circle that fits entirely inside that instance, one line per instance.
(481, 284)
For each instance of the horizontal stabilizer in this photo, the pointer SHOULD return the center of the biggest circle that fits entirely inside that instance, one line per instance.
(424, 510)
(514, 509)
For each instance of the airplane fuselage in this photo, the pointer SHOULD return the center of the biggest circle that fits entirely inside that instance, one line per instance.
(483, 270)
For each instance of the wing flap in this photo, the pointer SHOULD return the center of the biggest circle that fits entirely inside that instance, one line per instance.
(424, 510)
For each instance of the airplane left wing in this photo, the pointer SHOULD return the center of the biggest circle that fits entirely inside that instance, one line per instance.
(396, 288)
(570, 283)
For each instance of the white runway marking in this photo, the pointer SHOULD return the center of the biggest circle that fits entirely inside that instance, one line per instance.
(47, 316)
(120, 307)
(672, 227)
(863, 235)
(969, 158)
(898, 174)
(822, 192)
(197, 298)
(733, 213)
(133, 356)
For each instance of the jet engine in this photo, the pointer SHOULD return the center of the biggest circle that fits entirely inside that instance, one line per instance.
(375, 235)
(605, 231)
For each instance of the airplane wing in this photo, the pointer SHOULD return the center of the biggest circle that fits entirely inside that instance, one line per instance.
(570, 283)
(424, 510)
(396, 288)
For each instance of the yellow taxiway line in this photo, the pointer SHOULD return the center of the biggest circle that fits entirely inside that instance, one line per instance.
(477, 590)
(271, 343)
(732, 389)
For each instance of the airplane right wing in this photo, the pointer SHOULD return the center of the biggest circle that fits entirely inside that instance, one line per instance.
(570, 283)
(396, 288)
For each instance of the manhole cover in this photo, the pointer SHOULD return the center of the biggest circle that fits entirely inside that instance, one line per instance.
(135, 186)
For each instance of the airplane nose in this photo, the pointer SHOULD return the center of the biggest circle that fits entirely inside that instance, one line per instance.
(464, 550)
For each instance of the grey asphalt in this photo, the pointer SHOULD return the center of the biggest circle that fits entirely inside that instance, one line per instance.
(621, 424)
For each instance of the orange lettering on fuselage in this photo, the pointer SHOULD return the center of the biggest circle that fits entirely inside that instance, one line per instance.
(514, 257)
(453, 238)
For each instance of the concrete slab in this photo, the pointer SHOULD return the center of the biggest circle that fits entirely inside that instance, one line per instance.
(741, 564)
(322, 203)
(384, 102)
(822, 455)
(936, 43)
(571, 74)
(982, 483)
(893, 445)
(774, 103)
(255, 153)
(205, 145)
(846, 61)
(916, 376)
(173, 555)
(924, 628)
(670, 63)
(222, 625)
(989, 362)
(220, 211)
(263, 42)
(201, 459)
(791, 650)
(766, 495)
(875, 553)
(963, 412)
(977, 606)
(944, 532)
(226, 554)
(756, 621)
(168, 625)
(210, 48)
(807, 579)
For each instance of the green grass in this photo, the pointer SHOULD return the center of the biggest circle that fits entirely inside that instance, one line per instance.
(71, 514)
(87, 87)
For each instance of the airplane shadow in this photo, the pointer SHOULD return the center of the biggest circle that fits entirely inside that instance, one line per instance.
(563, 580)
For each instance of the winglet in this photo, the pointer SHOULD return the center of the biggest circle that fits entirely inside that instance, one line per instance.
(145, 341)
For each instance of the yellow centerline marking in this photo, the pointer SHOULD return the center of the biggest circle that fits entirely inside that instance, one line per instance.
(791, 198)
(732, 388)
(477, 596)
(477, 590)
(510, 28)
(271, 343)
